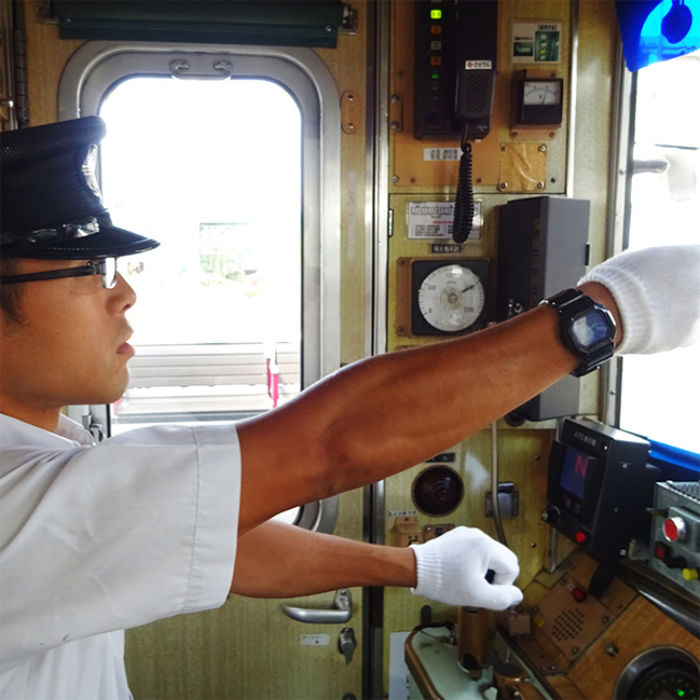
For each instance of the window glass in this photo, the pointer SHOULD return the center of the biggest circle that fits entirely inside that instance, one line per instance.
(211, 169)
(659, 392)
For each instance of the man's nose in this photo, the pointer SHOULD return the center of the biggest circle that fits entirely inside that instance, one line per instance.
(125, 293)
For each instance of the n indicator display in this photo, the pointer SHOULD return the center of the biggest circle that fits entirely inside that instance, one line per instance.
(577, 467)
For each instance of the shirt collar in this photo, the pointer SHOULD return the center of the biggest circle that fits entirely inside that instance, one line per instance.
(15, 432)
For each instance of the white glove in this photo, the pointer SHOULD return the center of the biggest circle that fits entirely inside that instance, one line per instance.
(657, 291)
(452, 569)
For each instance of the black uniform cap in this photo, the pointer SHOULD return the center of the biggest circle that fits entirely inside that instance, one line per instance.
(51, 204)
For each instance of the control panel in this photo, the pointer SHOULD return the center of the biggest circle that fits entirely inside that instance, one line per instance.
(599, 487)
(455, 67)
(675, 533)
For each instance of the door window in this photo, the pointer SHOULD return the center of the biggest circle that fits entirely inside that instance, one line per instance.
(218, 318)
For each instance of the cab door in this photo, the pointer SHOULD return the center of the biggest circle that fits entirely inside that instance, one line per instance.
(240, 309)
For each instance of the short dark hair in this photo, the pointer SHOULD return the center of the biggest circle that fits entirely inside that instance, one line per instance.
(10, 294)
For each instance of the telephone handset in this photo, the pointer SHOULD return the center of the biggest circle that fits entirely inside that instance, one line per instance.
(455, 71)
(474, 93)
(473, 106)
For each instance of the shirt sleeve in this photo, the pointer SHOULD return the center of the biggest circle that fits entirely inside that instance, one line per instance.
(139, 527)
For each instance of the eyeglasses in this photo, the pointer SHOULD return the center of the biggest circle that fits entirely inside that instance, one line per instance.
(106, 268)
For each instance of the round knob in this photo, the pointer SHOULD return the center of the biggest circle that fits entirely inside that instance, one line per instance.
(437, 490)
(674, 529)
(551, 515)
(690, 574)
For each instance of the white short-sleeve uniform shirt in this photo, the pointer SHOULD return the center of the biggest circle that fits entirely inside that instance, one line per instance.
(95, 539)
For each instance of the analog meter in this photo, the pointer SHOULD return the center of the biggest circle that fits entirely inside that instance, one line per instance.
(448, 296)
(540, 101)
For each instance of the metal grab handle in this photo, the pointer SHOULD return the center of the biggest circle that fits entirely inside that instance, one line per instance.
(340, 612)
(220, 70)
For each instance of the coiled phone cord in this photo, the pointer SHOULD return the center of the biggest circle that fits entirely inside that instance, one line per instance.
(464, 199)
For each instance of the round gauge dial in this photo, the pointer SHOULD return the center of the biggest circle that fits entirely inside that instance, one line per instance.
(451, 298)
(659, 673)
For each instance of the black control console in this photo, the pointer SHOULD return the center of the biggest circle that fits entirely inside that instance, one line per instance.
(599, 487)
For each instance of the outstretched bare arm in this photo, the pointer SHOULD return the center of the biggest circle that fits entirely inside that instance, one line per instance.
(381, 415)
(276, 560)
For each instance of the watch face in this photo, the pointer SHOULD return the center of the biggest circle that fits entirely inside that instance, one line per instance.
(591, 328)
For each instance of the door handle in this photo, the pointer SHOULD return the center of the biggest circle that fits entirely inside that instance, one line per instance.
(340, 612)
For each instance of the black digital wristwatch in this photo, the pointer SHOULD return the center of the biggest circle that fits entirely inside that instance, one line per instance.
(586, 328)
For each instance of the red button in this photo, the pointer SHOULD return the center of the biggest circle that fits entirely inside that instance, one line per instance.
(661, 551)
(670, 530)
(674, 529)
(581, 537)
(578, 594)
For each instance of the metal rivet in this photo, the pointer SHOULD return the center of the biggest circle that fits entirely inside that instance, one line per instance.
(540, 185)
(542, 148)
(395, 178)
(502, 185)
(504, 148)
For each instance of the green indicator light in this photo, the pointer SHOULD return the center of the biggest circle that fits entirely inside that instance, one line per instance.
(435, 14)
(435, 76)
(680, 693)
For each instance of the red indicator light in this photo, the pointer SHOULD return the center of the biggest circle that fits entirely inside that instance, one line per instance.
(661, 551)
(581, 537)
(675, 529)
(578, 594)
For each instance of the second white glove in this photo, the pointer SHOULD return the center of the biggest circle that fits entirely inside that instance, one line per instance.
(452, 569)
(657, 291)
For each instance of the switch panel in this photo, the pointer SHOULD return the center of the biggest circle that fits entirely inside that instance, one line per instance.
(675, 533)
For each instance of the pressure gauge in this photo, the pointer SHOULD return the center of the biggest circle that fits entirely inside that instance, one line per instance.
(448, 296)
(540, 101)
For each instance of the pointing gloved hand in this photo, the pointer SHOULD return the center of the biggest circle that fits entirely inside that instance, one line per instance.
(657, 291)
(452, 569)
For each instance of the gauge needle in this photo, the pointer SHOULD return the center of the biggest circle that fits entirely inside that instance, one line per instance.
(466, 289)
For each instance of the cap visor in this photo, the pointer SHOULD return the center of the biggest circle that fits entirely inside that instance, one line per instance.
(108, 243)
